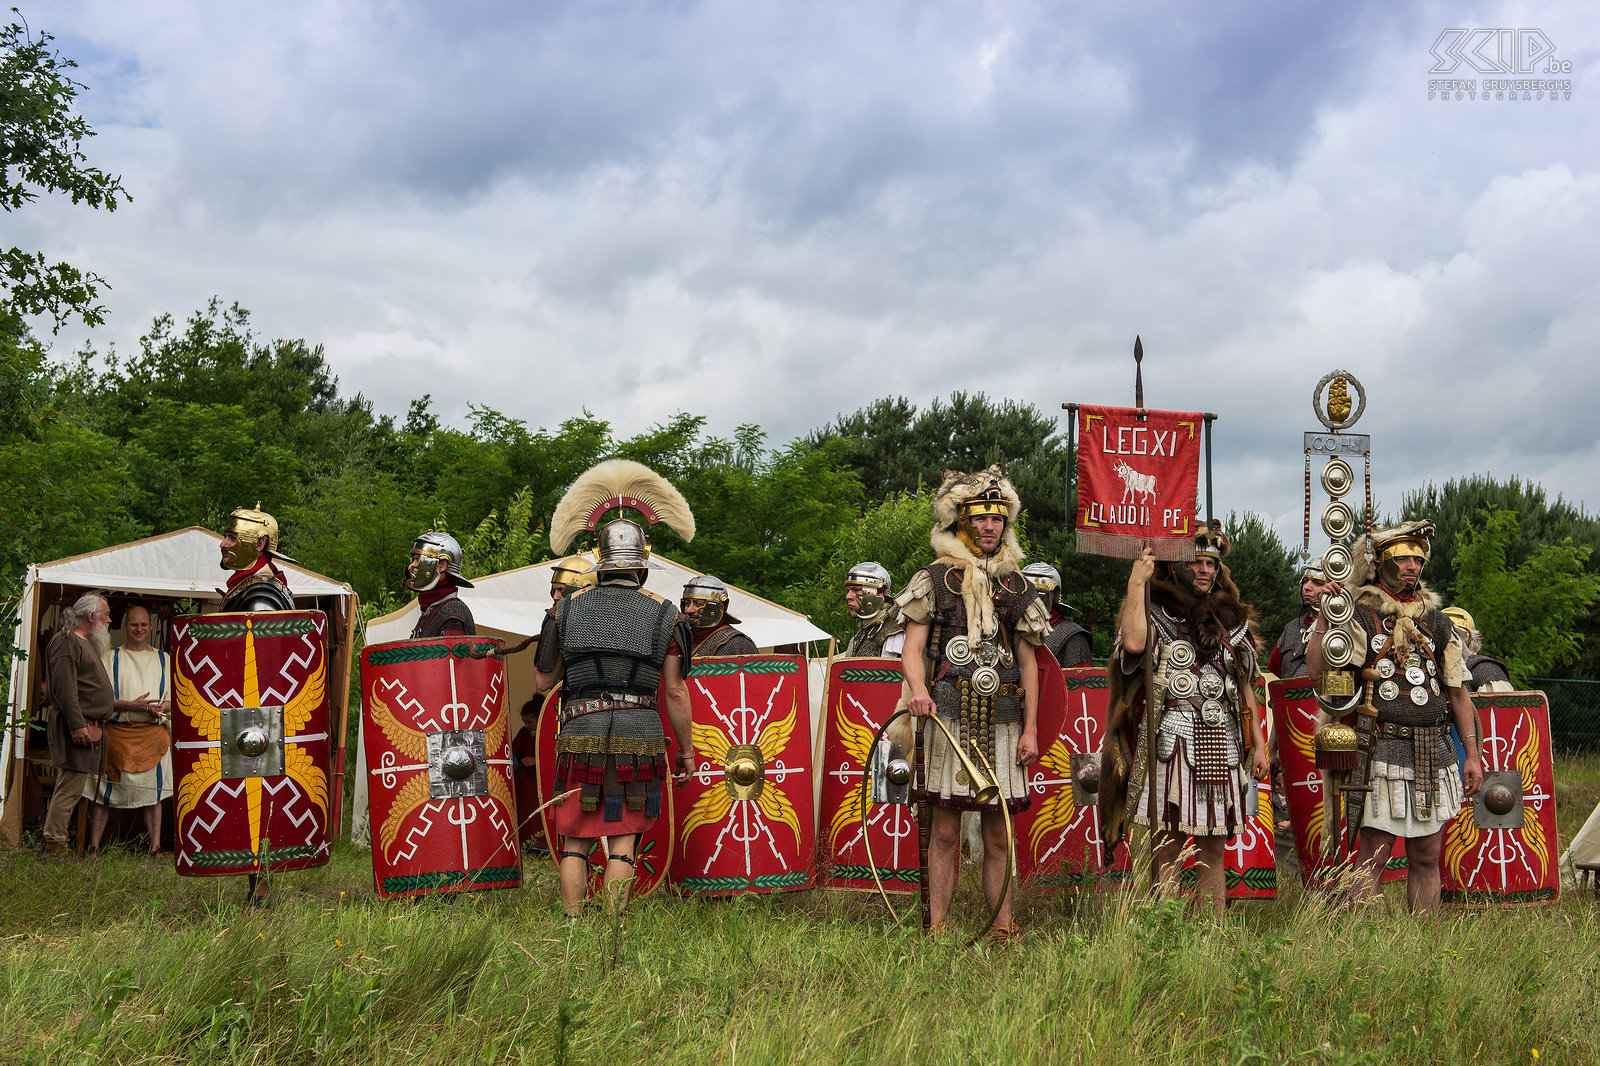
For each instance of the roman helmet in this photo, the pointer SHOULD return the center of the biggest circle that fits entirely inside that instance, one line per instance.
(622, 544)
(705, 602)
(573, 573)
(1412, 539)
(961, 497)
(434, 555)
(248, 526)
(873, 587)
(1210, 542)
(1045, 578)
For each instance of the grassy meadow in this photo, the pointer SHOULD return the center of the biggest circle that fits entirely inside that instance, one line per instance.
(118, 960)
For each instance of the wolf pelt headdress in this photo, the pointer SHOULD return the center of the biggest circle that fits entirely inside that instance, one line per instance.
(992, 491)
(1369, 552)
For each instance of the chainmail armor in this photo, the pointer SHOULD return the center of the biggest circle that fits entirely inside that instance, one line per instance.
(1436, 711)
(437, 618)
(613, 637)
(1069, 643)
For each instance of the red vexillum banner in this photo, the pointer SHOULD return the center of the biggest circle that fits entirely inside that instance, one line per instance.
(1137, 481)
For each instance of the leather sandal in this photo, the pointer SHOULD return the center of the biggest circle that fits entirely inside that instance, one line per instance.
(1003, 934)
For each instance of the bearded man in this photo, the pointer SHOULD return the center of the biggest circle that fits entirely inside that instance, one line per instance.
(868, 592)
(250, 550)
(81, 700)
(1414, 663)
(1205, 733)
(138, 763)
(705, 605)
(972, 624)
(434, 574)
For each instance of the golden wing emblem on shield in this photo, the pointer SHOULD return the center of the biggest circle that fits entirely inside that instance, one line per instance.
(207, 718)
(857, 741)
(1528, 769)
(303, 704)
(774, 736)
(1057, 811)
(1460, 837)
(413, 794)
(412, 743)
(206, 772)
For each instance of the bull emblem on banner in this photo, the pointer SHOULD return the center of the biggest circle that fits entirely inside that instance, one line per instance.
(1135, 483)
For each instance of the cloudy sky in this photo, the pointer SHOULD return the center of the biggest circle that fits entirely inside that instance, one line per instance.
(773, 213)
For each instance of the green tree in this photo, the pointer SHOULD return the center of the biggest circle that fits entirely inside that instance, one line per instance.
(1455, 509)
(41, 151)
(1527, 611)
(500, 544)
(1267, 573)
(894, 533)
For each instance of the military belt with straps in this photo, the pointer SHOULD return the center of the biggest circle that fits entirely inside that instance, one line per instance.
(611, 701)
(1397, 729)
(1003, 690)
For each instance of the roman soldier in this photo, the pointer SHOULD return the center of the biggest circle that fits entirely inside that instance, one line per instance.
(434, 574)
(1416, 682)
(570, 575)
(705, 605)
(868, 592)
(972, 623)
(1288, 657)
(1182, 683)
(1068, 641)
(614, 647)
(1487, 675)
(249, 548)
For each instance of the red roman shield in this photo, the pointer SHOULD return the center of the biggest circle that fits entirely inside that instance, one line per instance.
(439, 760)
(1294, 716)
(861, 695)
(250, 741)
(1056, 834)
(1058, 839)
(654, 857)
(1507, 865)
(744, 818)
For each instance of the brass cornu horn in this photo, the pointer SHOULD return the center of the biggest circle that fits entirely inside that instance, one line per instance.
(985, 783)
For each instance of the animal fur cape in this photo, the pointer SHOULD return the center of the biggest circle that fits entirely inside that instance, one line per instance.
(1209, 620)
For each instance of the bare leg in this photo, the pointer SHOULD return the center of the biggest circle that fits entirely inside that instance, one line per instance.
(620, 869)
(1372, 855)
(574, 874)
(1164, 868)
(1211, 874)
(996, 857)
(1422, 878)
(152, 826)
(99, 814)
(944, 862)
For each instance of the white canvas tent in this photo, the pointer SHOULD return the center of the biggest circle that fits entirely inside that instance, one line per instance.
(181, 565)
(511, 606)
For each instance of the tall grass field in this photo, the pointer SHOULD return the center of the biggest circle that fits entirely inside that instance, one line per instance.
(117, 960)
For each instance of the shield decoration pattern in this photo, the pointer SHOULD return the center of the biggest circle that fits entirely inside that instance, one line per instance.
(1056, 836)
(745, 816)
(862, 693)
(1058, 841)
(1481, 865)
(423, 700)
(1294, 717)
(257, 667)
(654, 856)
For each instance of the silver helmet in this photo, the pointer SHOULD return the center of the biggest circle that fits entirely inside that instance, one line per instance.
(1044, 577)
(433, 555)
(705, 602)
(623, 546)
(872, 586)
